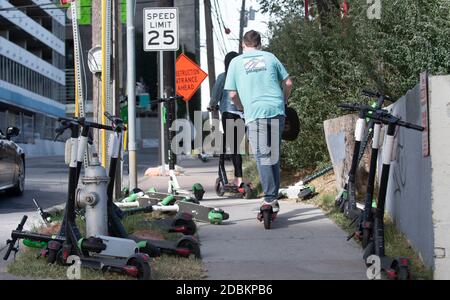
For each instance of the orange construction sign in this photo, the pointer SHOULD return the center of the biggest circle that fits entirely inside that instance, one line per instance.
(189, 77)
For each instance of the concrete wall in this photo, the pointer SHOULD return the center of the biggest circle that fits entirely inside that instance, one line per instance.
(409, 189)
(440, 177)
(43, 148)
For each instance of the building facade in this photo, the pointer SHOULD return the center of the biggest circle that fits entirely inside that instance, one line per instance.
(32, 68)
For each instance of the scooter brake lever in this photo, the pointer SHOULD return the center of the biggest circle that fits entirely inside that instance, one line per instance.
(351, 236)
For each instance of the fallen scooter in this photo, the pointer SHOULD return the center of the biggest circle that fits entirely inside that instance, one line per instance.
(398, 267)
(98, 251)
(170, 204)
(184, 247)
(174, 187)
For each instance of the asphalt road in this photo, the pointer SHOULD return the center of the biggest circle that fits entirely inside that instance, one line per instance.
(46, 181)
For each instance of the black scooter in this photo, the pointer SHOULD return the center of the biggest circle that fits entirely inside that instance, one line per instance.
(346, 201)
(393, 268)
(222, 185)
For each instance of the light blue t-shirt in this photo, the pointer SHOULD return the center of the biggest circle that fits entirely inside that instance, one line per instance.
(257, 76)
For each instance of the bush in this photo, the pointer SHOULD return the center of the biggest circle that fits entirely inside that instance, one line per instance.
(356, 53)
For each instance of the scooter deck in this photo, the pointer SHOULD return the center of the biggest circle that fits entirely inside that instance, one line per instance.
(181, 223)
(199, 212)
(184, 247)
(162, 196)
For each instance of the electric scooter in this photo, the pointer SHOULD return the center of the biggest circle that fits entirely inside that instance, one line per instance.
(222, 185)
(170, 204)
(393, 268)
(184, 247)
(346, 200)
(365, 221)
(174, 186)
(96, 252)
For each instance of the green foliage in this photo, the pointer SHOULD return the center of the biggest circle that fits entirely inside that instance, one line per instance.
(356, 53)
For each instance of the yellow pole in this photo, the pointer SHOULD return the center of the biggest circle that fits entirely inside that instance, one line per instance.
(125, 141)
(77, 99)
(77, 103)
(104, 83)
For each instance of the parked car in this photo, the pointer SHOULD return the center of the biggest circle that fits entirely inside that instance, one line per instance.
(12, 163)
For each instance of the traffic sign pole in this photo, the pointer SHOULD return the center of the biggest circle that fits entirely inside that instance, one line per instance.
(131, 87)
(161, 33)
(161, 109)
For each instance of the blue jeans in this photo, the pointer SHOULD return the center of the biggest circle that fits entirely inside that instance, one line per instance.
(265, 140)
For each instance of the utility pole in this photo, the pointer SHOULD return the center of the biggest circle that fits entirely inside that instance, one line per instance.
(166, 88)
(117, 79)
(96, 41)
(131, 88)
(210, 44)
(241, 30)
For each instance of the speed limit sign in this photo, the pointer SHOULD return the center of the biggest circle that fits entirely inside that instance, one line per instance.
(161, 29)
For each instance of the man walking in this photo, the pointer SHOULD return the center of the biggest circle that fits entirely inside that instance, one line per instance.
(259, 85)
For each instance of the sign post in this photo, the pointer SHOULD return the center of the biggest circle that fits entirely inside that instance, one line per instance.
(161, 33)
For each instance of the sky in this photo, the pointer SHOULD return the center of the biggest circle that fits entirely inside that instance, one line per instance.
(230, 12)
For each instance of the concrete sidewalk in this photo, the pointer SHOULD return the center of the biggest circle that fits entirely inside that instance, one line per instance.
(303, 244)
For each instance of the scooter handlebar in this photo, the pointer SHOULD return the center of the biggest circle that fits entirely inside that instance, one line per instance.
(168, 99)
(12, 242)
(411, 126)
(118, 122)
(389, 119)
(347, 106)
(376, 95)
(213, 108)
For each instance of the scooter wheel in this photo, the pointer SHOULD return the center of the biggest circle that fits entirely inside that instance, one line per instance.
(220, 189)
(143, 268)
(190, 226)
(403, 273)
(199, 191)
(248, 192)
(52, 256)
(267, 216)
(150, 250)
(190, 245)
(368, 251)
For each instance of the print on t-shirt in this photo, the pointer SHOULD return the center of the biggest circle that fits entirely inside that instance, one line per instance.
(255, 64)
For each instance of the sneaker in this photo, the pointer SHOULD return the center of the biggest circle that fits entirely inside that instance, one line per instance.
(275, 205)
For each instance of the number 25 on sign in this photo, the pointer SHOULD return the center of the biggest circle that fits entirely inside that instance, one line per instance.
(161, 29)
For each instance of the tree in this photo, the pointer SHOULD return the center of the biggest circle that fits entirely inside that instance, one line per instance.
(386, 55)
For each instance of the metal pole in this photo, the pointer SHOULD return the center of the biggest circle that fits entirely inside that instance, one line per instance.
(161, 109)
(210, 44)
(241, 30)
(131, 87)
